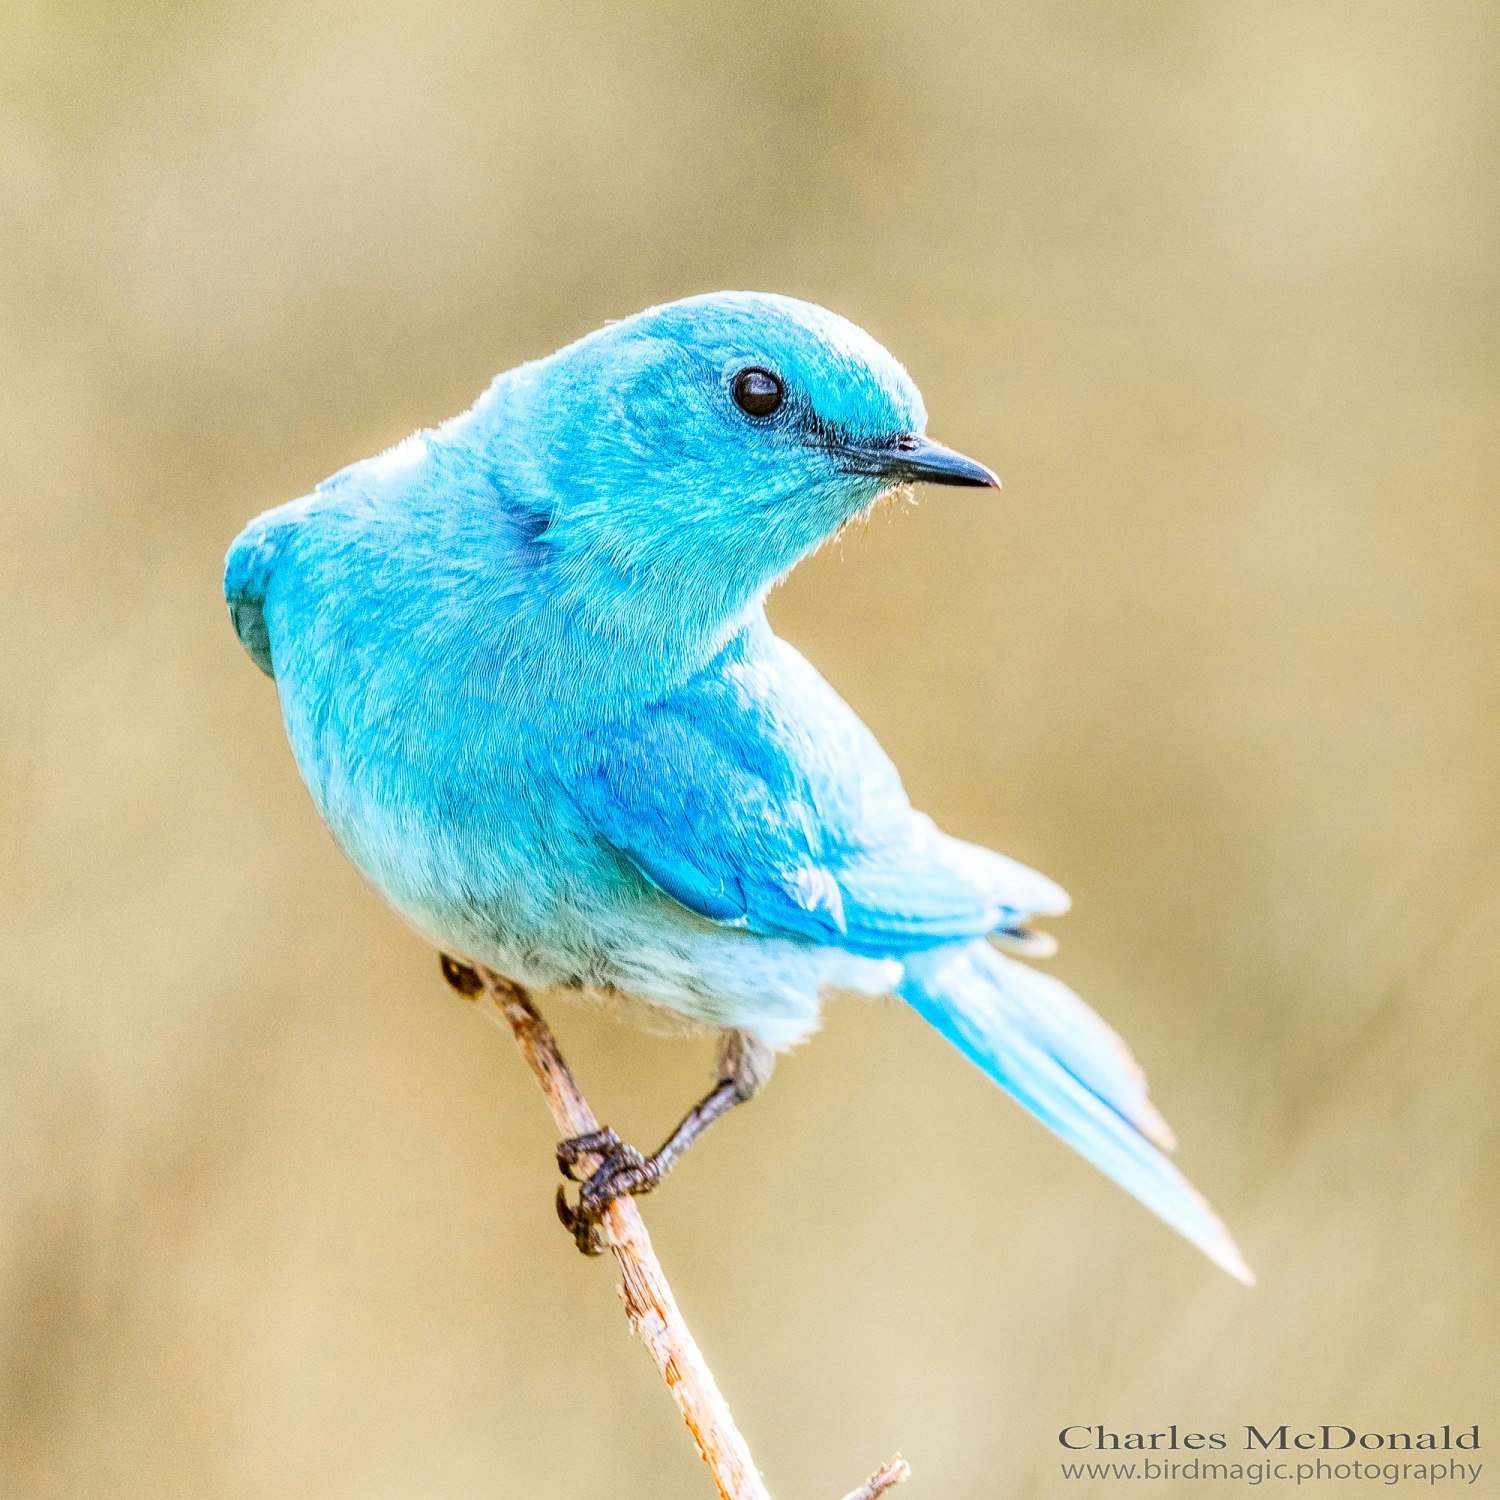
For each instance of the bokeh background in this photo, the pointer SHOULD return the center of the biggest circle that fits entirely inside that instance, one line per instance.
(1214, 286)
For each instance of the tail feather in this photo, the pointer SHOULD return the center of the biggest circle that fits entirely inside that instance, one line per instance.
(1048, 1050)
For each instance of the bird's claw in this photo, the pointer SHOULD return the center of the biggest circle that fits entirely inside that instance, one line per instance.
(587, 1233)
(594, 1143)
(463, 977)
(622, 1171)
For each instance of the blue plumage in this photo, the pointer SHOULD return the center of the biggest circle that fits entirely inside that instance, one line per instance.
(526, 675)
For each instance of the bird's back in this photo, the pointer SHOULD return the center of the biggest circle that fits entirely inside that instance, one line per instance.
(405, 639)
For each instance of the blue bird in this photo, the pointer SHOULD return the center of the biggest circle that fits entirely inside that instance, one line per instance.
(525, 670)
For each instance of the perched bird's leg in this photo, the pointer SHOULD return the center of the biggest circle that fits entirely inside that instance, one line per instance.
(744, 1065)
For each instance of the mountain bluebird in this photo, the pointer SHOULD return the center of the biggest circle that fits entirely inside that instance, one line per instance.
(525, 670)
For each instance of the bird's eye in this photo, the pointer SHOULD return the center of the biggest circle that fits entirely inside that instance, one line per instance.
(757, 392)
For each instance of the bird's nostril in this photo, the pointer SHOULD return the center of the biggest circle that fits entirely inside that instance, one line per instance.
(906, 443)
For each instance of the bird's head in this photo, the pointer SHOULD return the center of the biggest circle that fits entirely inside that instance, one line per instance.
(699, 449)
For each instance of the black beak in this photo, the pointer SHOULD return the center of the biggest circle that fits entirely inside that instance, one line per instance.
(918, 459)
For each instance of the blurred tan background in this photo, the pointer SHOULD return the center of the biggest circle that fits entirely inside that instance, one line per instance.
(1212, 285)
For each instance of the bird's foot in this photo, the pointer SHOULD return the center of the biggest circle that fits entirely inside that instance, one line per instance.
(461, 976)
(622, 1170)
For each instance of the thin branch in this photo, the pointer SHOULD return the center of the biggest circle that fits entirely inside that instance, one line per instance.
(649, 1303)
(648, 1299)
(884, 1478)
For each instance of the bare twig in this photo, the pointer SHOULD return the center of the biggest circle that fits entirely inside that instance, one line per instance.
(648, 1300)
(884, 1478)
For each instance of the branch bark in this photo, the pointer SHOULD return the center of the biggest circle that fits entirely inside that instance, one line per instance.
(648, 1299)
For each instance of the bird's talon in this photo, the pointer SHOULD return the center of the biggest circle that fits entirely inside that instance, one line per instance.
(586, 1232)
(622, 1172)
(593, 1143)
(464, 978)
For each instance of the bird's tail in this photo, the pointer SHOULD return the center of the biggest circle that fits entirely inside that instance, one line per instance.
(1048, 1050)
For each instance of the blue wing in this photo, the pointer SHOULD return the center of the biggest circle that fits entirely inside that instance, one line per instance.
(755, 796)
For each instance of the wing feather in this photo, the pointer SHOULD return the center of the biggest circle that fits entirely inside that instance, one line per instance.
(755, 796)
